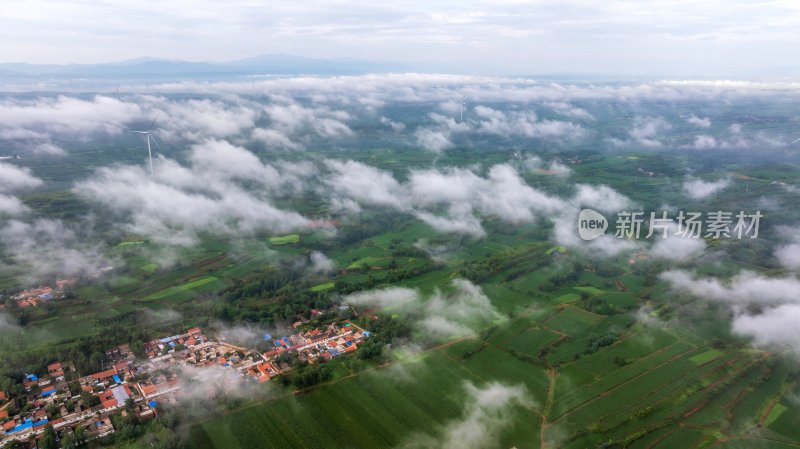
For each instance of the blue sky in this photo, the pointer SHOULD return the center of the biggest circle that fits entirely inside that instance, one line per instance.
(658, 37)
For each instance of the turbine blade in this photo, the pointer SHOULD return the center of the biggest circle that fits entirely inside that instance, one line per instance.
(151, 124)
(795, 141)
(156, 140)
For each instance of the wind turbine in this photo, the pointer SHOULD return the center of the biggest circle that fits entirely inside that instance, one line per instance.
(794, 141)
(149, 135)
(461, 108)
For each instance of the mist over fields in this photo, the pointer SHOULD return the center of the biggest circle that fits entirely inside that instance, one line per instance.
(323, 157)
(234, 155)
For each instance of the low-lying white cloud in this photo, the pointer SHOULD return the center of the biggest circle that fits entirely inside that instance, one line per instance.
(443, 315)
(675, 247)
(320, 263)
(488, 410)
(764, 308)
(700, 122)
(16, 178)
(179, 201)
(8, 325)
(49, 247)
(554, 167)
(788, 253)
(645, 132)
(697, 189)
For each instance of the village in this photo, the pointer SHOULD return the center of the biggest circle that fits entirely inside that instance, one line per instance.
(191, 361)
(36, 296)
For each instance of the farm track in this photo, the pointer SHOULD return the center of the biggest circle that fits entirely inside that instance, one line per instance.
(552, 375)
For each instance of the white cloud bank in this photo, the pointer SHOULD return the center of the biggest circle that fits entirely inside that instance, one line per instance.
(442, 315)
(697, 189)
(488, 410)
(180, 202)
(765, 309)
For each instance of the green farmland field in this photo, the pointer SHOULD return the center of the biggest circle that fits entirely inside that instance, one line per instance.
(285, 239)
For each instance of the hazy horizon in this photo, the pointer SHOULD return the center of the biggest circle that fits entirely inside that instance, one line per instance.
(654, 38)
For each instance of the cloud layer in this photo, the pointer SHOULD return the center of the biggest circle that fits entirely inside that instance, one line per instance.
(180, 202)
(441, 315)
(763, 307)
(488, 409)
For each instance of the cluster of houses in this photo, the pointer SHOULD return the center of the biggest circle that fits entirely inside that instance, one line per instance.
(173, 364)
(35, 296)
(327, 343)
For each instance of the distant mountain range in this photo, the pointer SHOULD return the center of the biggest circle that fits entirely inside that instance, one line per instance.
(160, 69)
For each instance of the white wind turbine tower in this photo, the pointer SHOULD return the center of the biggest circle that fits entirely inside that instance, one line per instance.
(461, 108)
(149, 135)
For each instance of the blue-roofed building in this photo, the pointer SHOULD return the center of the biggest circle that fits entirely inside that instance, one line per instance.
(28, 424)
(117, 379)
(367, 334)
(48, 393)
(152, 404)
(267, 337)
(333, 352)
(32, 377)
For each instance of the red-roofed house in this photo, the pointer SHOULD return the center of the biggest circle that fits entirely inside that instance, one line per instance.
(107, 399)
(104, 374)
(264, 370)
(147, 390)
(55, 370)
(122, 368)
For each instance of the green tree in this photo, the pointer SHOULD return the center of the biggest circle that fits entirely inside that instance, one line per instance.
(68, 442)
(89, 400)
(79, 435)
(49, 438)
(52, 410)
